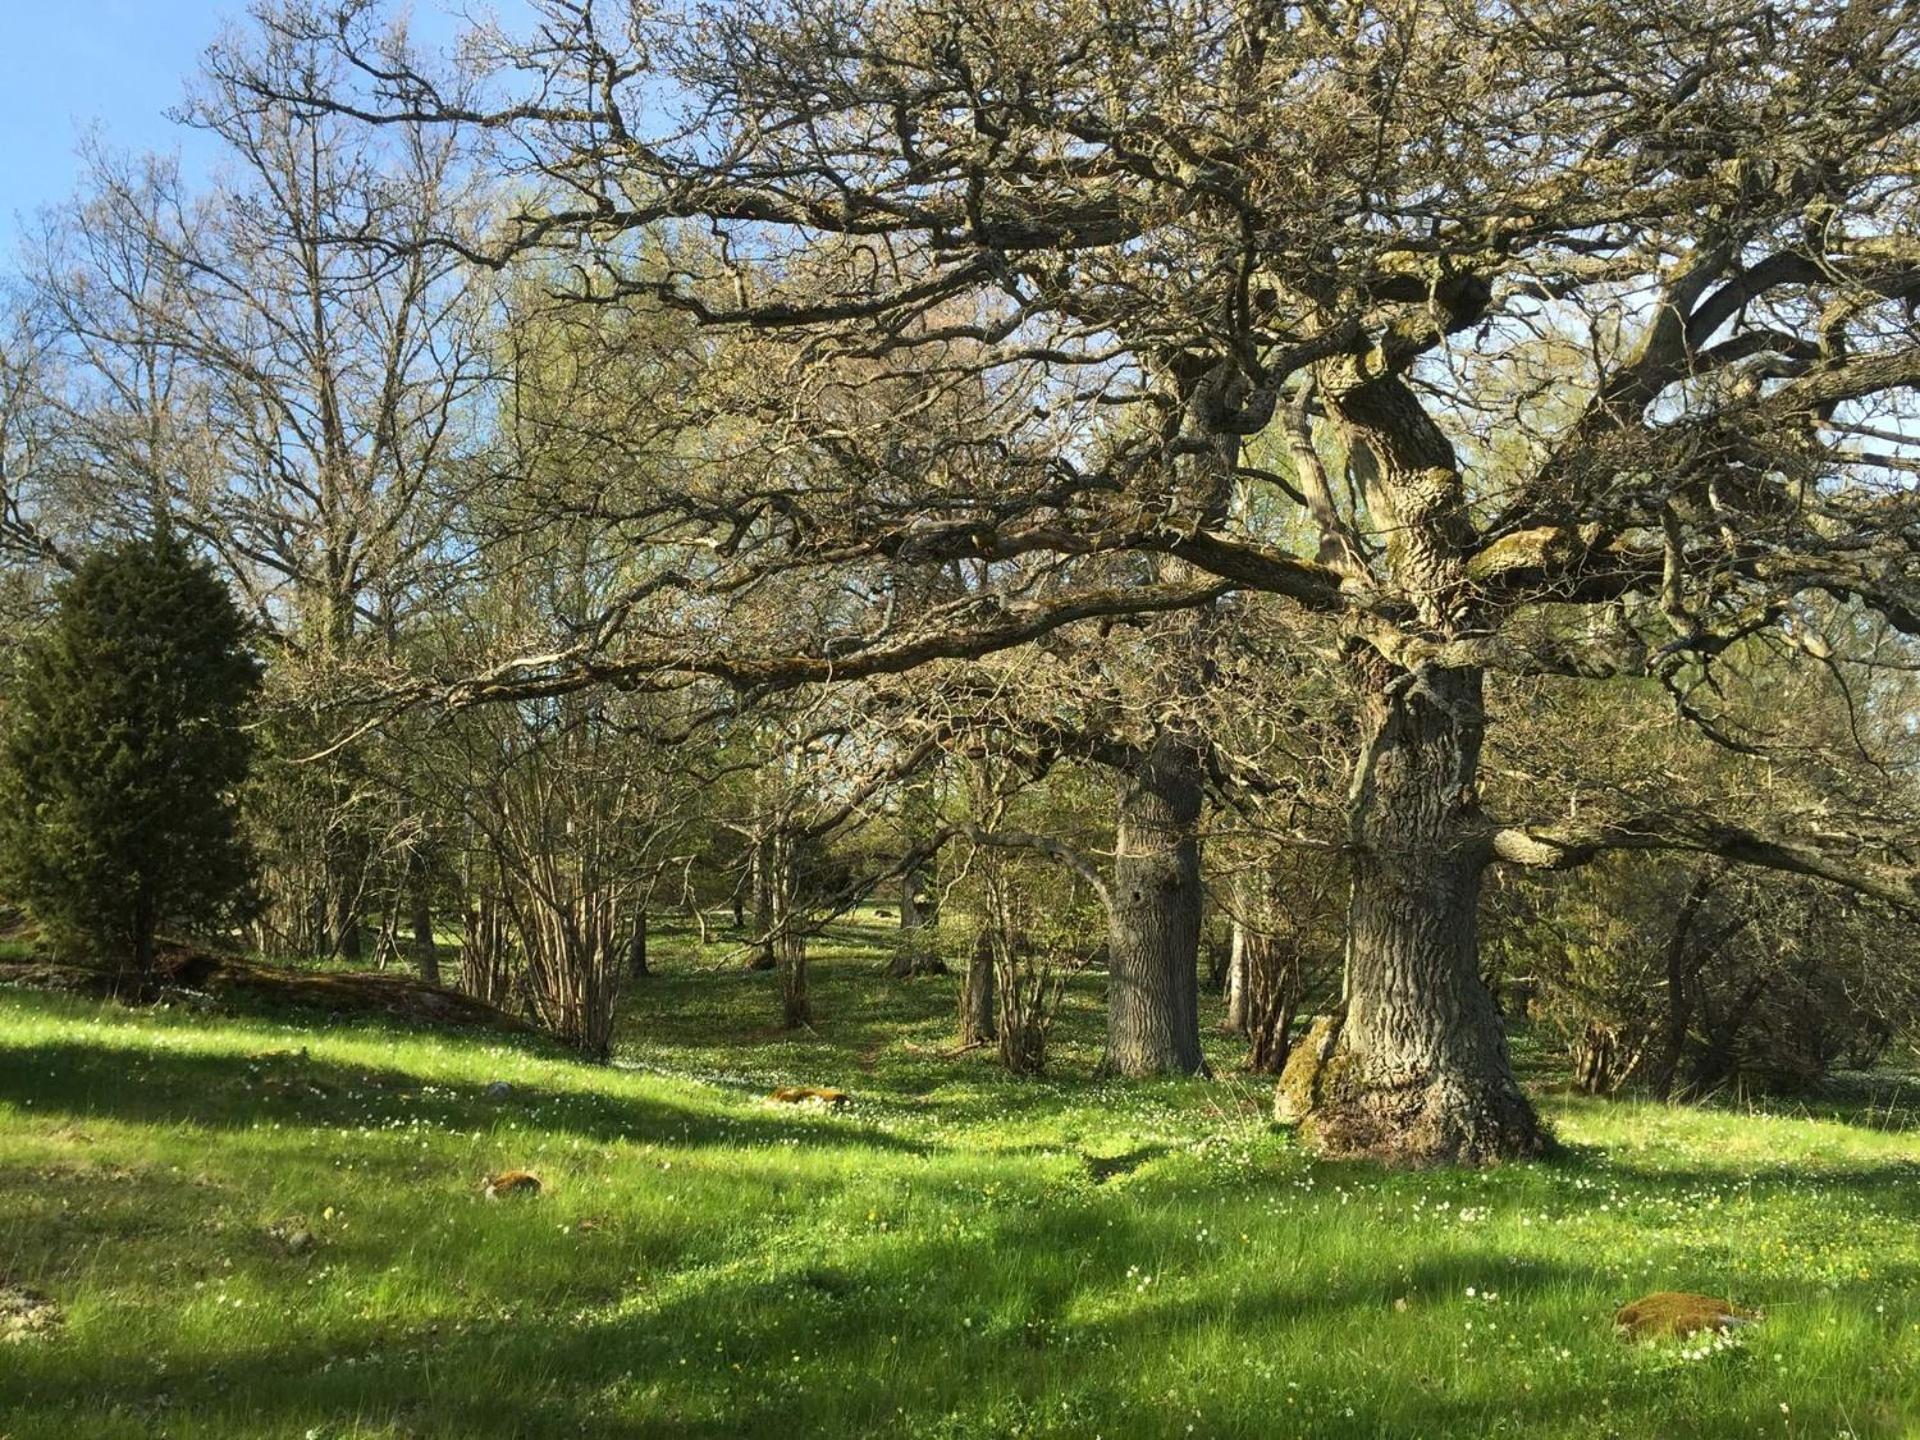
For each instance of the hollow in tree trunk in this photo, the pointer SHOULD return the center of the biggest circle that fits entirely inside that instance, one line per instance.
(1153, 989)
(1420, 1072)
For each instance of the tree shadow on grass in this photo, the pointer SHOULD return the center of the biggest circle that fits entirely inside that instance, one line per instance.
(233, 1091)
(905, 1338)
(1894, 1185)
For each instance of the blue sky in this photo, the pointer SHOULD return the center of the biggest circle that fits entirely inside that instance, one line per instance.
(69, 65)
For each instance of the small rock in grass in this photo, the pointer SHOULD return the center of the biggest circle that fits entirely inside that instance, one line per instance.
(512, 1184)
(26, 1314)
(292, 1235)
(498, 1090)
(1678, 1313)
(810, 1095)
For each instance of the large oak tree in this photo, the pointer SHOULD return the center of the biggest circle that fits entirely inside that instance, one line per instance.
(1586, 329)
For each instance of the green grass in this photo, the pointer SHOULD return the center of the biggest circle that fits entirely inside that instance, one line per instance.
(959, 1254)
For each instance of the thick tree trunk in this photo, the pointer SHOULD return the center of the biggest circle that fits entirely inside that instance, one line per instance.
(1153, 982)
(1153, 904)
(1421, 1071)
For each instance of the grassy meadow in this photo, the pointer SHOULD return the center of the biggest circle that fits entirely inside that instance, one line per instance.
(271, 1225)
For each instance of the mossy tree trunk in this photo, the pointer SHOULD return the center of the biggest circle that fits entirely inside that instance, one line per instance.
(1420, 1072)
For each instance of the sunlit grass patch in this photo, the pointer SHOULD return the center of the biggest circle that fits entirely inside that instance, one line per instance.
(954, 1254)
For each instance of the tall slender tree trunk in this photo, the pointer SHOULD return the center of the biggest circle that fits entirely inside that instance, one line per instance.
(144, 953)
(789, 940)
(349, 937)
(977, 1004)
(1420, 1072)
(1679, 987)
(764, 877)
(1153, 982)
(420, 899)
(1239, 957)
(1237, 978)
(637, 967)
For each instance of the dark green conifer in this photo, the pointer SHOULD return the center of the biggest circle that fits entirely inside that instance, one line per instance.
(121, 754)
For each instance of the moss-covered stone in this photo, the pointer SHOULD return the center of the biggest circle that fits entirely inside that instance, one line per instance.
(520, 1184)
(810, 1095)
(1674, 1313)
(1300, 1079)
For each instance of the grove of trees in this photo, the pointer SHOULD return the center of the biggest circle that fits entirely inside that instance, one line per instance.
(1403, 513)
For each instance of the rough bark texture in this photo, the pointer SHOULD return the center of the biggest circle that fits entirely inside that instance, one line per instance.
(1421, 1072)
(796, 1004)
(1153, 989)
(1273, 990)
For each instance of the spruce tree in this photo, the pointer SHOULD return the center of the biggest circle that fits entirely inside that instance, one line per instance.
(121, 753)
